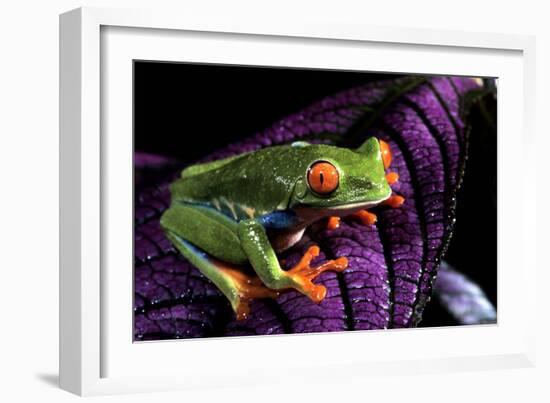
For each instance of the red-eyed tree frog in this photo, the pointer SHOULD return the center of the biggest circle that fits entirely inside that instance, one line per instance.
(245, 209)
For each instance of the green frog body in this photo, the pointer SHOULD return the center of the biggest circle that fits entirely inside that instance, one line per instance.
(245, 209)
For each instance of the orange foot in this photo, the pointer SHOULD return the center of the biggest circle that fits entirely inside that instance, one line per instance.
(366, 217)
(392, 177)
(303, 274)
(333, 222)
(394, 201)
(248, 288)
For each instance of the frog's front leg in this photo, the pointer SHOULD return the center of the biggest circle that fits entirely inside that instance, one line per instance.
(256, 244)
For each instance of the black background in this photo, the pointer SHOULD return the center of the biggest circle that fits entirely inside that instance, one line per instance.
(188, 110)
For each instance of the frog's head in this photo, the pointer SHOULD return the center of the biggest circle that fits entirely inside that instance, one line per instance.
(343, 179)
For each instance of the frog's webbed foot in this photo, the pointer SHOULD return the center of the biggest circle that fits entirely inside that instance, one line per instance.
(303, 274)
(246, 289)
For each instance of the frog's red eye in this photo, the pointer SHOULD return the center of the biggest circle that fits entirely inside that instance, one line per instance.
(386, 153)
(323, 177)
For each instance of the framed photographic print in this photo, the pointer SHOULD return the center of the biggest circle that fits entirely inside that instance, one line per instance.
(313, 196)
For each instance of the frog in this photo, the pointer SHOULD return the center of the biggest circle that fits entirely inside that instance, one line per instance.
(231, 218)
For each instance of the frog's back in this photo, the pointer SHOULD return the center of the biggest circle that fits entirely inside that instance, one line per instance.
(245, 186)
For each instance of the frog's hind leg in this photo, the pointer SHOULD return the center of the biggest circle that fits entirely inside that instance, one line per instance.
(208, 240)
(238, 287)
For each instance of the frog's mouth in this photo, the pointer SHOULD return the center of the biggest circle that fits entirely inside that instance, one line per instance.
(350, 207)
(310, 214)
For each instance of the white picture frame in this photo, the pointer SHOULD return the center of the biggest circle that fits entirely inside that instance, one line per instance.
(97, 355)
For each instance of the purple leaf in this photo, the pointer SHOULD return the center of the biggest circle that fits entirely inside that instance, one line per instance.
(464, 299)
(149, 168)
(392, 264)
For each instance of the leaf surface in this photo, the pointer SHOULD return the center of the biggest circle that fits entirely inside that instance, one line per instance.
(392, 265)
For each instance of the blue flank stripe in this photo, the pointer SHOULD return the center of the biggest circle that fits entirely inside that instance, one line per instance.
(275, 220)
(196, 251)
(278, 220)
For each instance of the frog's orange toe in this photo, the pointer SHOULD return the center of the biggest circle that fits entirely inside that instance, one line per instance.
(385, 153)
(250, 292)
(303, 274)
(312, 252)
(247, 288)
(392, 177)
(243, 310)
(366, 217)
(316, 293)
(333, 223)
(395, 201)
